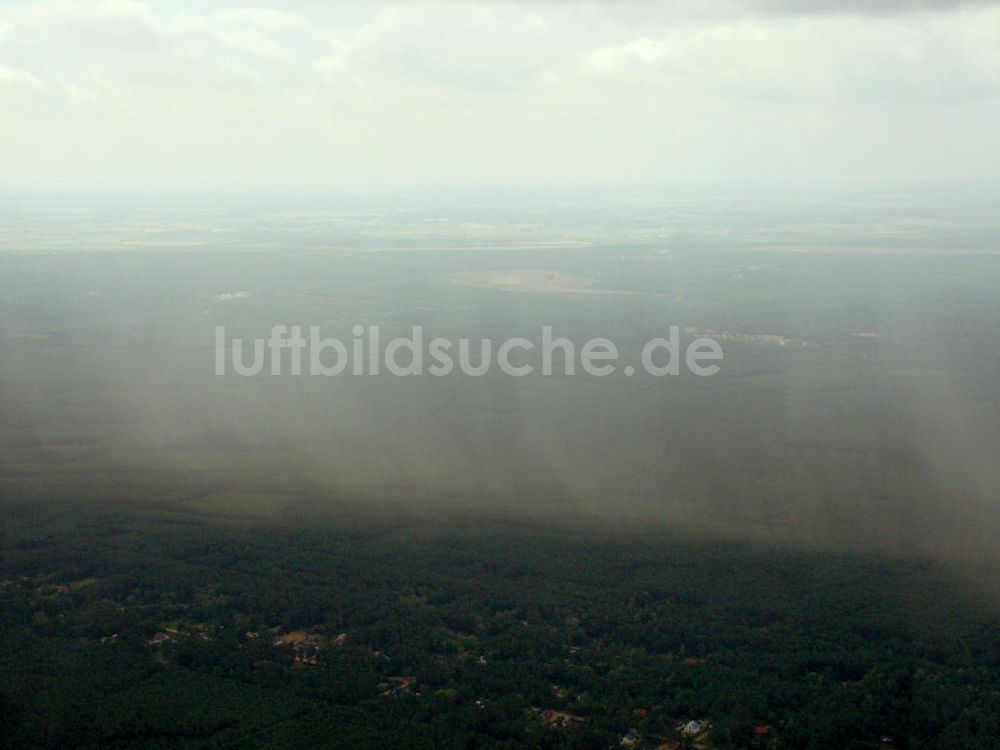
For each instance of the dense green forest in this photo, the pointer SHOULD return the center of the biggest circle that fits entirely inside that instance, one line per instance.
(131, 626)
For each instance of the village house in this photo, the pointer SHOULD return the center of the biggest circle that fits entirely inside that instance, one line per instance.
(693, 727)
(555, 719)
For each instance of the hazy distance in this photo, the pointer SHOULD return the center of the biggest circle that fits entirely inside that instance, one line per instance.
(812, 183)
(856, 404)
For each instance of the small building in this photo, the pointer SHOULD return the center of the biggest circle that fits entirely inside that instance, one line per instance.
(555, 719)
(691, 728)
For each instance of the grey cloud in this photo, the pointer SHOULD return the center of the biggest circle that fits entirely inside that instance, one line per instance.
(498, 92)
(864, 7)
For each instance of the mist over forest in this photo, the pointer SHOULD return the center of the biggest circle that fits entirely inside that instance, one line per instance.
(856, 405)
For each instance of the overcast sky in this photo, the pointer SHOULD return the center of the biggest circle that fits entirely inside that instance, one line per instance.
(172, 94)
